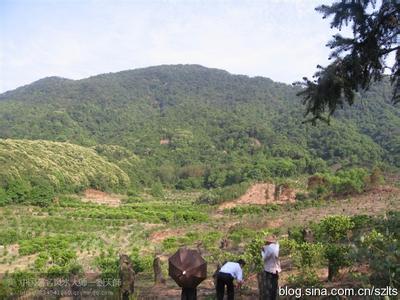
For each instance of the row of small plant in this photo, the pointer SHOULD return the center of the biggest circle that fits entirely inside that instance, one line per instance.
(147, 214)
(55, 259)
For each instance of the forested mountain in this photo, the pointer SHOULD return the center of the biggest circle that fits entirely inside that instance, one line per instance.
(192, 126)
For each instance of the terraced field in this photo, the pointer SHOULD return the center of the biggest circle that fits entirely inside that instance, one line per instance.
(72, 234)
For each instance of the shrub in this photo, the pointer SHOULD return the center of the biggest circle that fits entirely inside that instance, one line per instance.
(381, 252)
(207, 198)
(332, 231)
(170, 243)
(108, 265)
(141, 263)
(281, 167)
(18, 191)
(219, 195)
(22, 281)
(42, 195)
(240, 234)
(3, 197)
(157, 190)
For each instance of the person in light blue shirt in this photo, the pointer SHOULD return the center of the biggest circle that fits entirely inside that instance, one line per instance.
(229, 272)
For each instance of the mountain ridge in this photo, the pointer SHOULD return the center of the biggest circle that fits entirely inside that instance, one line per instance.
(137, 71)
(211, 120)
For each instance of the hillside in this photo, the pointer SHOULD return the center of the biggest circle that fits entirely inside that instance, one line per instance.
(198, 127)
(143, 162)
(61, 166)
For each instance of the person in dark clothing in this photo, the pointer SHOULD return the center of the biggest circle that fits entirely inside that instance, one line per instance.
(226, 275)
(189, 294)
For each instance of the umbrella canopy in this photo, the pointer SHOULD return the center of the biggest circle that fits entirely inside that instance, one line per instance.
(187, 268)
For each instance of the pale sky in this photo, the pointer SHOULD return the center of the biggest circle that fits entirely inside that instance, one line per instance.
(282, 40)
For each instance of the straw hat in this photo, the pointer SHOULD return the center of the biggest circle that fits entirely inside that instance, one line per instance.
(271, 239)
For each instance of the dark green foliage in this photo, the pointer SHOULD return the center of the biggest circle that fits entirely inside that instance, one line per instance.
(343, 241)
(22, 281)
(333, 231)
(18, 191)
(380, 248)
(3, 197)
(141, 263)
(42, 195)
(8, 237)
(157, 190)
(159, 212)
(108, 265)
(187, 127)
(357, 60)
(343, 182)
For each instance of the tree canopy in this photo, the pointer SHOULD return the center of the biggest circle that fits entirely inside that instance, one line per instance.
(188, 126)
(357, 61)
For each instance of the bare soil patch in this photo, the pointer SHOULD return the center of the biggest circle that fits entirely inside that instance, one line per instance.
(375, 202)
(262, 194)
(99, 197)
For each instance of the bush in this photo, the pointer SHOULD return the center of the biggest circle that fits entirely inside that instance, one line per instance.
(42, 195)
(3, 197)
(170, 243)
(188, 183)
(381, 252)
(22, 281)
(344, 182)
(219, 195)
(18, 191)
(157, 190)
(333, 231)
(108, 265)
(208, 198)
(281, 167)
(141, 263)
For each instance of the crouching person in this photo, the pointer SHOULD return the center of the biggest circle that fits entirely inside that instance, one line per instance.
(225, 277)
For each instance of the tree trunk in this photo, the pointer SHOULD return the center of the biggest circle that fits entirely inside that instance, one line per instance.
(332, 271)
(158, 276)
(127, 276)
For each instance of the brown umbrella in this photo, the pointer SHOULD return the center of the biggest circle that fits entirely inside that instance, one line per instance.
(187, 268)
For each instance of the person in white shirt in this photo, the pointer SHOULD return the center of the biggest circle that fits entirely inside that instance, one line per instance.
(228, 272)
(272, 266)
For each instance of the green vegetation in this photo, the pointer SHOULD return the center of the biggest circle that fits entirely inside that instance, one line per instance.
(344, 182)
(358, 59)
(185, 126)
(175, 142)
(32, 170)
